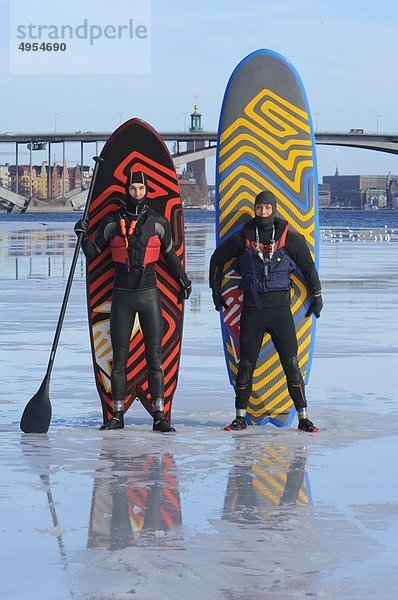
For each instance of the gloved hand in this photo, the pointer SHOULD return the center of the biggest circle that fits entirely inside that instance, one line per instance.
(185, 291)
(218, 299)
(315, 307)
(81, 227)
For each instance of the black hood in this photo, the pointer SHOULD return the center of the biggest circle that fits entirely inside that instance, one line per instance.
(266, 197)
(133, 205)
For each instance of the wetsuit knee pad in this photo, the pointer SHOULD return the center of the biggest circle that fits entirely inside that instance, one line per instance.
(119, 362)
(153, 355)
(292, 370)
(245, 373)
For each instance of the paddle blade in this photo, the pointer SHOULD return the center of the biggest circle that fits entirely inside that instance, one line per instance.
(37, 414)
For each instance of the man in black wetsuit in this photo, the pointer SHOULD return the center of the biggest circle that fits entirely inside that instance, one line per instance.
(136, 235)
(266, 299)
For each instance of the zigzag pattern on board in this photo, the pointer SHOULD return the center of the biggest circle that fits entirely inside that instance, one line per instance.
(270, 147)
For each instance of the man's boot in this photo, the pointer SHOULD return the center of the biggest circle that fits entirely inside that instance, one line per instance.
(116, 422)
(160, 423)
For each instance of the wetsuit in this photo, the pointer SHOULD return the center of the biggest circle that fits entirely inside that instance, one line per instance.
(135, 289)
(267, 311)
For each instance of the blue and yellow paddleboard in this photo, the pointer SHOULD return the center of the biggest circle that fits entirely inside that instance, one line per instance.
(266, 142)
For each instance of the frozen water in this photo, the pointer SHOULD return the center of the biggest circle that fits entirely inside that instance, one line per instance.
(265, 513)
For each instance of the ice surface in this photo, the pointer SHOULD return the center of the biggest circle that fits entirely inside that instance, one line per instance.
(262, 514)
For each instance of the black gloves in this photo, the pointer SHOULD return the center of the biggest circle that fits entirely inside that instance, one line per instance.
(185, 291)
(81, 227)
(218, 299)
(315, 306)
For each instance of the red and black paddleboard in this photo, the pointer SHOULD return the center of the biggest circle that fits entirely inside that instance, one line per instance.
(135, 146)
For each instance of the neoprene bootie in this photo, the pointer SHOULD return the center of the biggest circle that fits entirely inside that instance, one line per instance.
(160, 423)
(237, 424)
(117, 421)
(307, 425)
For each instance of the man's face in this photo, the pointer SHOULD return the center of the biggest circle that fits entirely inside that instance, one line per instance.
(137, 190)
(263, 210)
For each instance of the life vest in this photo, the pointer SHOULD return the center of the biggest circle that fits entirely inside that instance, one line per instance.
(137, 249)
(261, 277)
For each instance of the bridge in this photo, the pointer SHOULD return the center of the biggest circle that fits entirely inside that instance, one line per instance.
(355, 138)
(9, 198)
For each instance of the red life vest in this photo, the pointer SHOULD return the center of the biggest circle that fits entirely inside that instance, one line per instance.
(133, 249)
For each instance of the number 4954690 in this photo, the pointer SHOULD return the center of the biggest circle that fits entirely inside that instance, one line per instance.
(43, 47)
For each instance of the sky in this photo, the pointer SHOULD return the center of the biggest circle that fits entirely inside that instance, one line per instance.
(345, 52)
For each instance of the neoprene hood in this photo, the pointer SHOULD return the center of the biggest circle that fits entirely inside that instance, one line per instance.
(266, 197)
(135, 177)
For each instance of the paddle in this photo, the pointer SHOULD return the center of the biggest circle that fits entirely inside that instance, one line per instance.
(37, 414)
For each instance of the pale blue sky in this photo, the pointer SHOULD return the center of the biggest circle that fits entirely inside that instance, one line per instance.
(345, 51)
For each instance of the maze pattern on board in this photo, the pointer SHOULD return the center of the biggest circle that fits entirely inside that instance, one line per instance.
(267, 146)
(164, 197)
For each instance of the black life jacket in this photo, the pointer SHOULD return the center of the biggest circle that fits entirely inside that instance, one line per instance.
(259, 278)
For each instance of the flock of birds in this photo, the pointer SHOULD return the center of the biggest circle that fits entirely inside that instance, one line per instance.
(344, 234)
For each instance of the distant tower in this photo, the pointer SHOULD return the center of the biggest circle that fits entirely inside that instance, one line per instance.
(199, 196)
(336, 173)
(196, 119)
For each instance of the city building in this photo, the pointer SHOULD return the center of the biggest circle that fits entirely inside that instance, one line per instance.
(360, 191)
(62, 179)
(23, 188)
(324, 195)
(5, 176)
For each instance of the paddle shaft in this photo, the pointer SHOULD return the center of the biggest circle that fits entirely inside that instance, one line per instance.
(54, 347)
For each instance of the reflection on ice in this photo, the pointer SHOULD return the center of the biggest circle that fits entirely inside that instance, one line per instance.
(135, 501)
(258, 484)
(104, 516)
(205, 514)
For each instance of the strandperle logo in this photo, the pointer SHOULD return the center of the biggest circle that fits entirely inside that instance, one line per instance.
(67, 38)
(84, 31)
